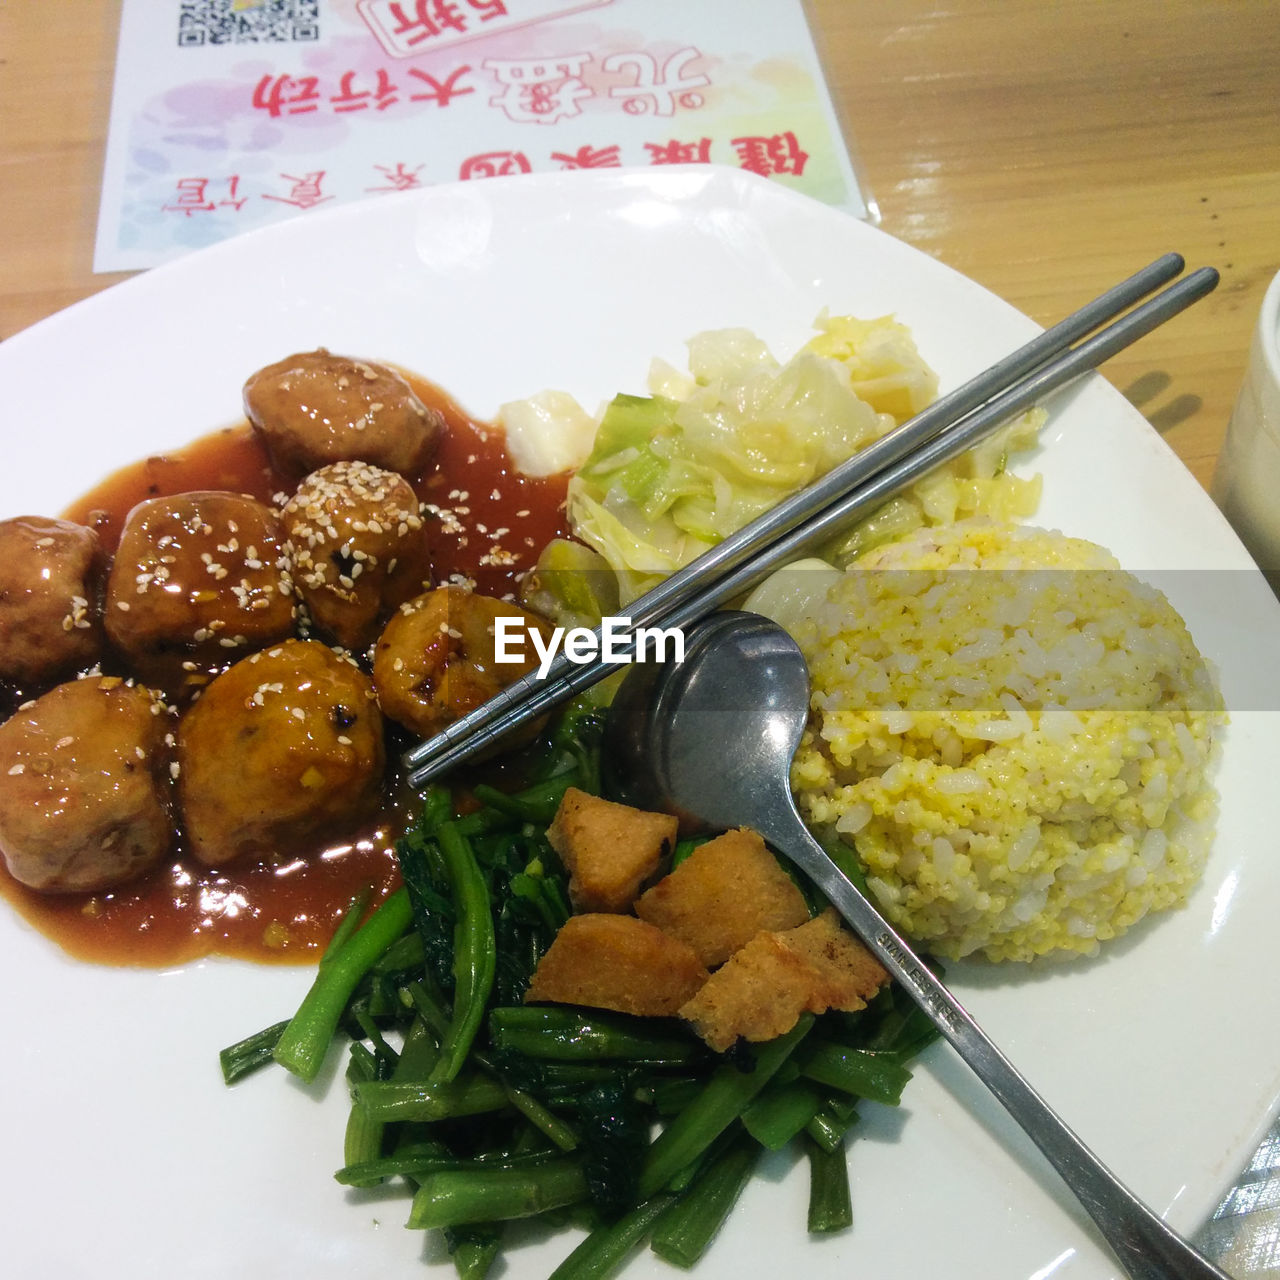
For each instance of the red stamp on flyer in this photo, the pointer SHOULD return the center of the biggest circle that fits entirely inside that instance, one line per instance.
(406, 28)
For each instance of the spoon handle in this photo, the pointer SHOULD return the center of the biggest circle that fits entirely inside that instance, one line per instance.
(1146, 1247)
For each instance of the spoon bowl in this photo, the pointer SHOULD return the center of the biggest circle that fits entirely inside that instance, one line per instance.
(703, 739)
(711, 740)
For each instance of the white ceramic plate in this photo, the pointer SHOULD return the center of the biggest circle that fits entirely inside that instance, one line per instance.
(124, 1156)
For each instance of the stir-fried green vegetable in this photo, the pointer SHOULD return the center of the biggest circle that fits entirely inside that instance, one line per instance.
(490, 1110)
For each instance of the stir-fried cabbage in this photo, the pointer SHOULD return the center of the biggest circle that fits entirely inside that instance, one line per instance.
(672, 473)
(547, 433)
(676, 472)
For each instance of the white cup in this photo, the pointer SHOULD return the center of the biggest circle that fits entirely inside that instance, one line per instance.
(1246, 485)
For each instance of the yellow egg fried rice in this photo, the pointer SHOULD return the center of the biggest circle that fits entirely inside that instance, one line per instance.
(1020, 754)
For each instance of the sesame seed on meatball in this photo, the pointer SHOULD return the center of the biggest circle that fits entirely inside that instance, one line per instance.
(198, 580)
(359, 548)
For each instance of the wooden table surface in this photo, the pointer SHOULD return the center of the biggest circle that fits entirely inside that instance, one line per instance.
(1044, 150)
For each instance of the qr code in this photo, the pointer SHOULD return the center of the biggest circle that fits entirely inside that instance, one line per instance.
(202, 22)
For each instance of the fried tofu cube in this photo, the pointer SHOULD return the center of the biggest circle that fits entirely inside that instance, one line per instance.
(763, 989)
(849, 974)
(610, 850)
(609, 961)
(723, 894)
(759, 994)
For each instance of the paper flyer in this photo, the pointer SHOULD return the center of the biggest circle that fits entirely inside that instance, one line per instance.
(231, 114)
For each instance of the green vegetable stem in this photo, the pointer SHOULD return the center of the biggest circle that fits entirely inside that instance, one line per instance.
(686, 1229)
(725, 1097)
(576, 1035)
(302, 1046)
(246, 1056)
(830, 1203)
(781, 1112)
(456, 1197)
(861, 1072)
(474, 955)
(606, 1248)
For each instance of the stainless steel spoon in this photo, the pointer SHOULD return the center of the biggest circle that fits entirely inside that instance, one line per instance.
(711, 740)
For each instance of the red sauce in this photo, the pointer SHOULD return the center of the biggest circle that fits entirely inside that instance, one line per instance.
(287, 912)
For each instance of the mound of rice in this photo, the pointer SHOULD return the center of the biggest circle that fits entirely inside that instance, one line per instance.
(1020, 755)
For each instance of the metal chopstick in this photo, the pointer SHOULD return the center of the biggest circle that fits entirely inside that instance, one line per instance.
(956, 440)
(681, 585)
(947, 428)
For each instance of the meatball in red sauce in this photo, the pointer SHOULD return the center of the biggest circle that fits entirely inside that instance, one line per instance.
(282, 747)
(198, 580)
(315, 408)
(359, 548)
(437, 658)
(83, 783)
(50, 581)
